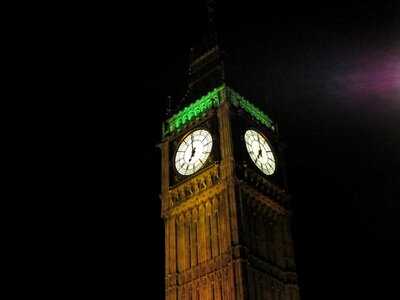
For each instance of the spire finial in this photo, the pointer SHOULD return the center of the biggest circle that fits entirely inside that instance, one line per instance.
(211, 10)
(211, 36)
(168, 110)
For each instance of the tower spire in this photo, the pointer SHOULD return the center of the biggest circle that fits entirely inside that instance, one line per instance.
(206, 67)
(210, 38)
(211, 8)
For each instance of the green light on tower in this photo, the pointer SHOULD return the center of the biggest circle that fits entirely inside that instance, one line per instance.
(198, 108)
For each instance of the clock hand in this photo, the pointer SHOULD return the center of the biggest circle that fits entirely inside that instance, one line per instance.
(259, 146)
(259, 155)
(193, 152)
(193, 149)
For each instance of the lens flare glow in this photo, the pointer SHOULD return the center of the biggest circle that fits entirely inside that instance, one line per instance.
(375, 77)
(380, 78)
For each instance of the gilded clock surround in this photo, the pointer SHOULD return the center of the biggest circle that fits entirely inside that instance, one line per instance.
(193, 152)
(208, 123)
(260, 151)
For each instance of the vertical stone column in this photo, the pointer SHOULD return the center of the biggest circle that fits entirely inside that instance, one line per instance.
(224, 232)
(263, 242)
(164, 175)
(194, 237)
(201, 235)
(279, 242)
(215, 228)
(171, 250)
(225, 132)
(289, 241)
(167, 225)
(208, 232)
(181, 244)
(188, 245)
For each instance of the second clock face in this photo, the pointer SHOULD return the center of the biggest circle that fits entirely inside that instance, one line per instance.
(193, 152)
(260, 151)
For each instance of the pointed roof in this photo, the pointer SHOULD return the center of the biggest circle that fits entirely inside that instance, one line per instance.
(210, 37)
(206, 70)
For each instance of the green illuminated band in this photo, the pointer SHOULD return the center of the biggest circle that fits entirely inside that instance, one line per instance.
(256, 113)
(198, 109)
(195, 109)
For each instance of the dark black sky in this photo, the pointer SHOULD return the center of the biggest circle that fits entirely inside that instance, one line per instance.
(331, 75)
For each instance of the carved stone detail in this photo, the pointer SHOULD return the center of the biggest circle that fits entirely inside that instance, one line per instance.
(195, 186)
(264, 186)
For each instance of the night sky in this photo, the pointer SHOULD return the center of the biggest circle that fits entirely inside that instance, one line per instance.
(329, 74)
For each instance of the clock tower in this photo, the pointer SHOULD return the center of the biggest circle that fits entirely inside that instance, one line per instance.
(223, 194)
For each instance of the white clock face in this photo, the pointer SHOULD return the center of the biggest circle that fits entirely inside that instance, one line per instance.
(260, 151)
(193, 152)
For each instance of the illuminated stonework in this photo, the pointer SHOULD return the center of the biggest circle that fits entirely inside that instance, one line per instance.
(198, 110)
(255, 112)
(194, 111)
(227, 226)
(227, 223)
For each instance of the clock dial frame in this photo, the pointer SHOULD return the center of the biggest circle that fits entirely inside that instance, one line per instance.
(193, 151)
(260, 151)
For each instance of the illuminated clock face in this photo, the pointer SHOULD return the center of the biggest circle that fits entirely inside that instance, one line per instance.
(193, 152)
(260, 151)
